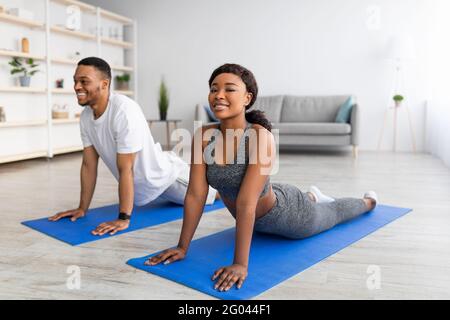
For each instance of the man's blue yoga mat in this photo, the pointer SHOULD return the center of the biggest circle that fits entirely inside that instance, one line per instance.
(79, 232)
(273, 259)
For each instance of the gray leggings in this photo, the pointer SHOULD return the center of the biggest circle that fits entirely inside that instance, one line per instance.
(296, 216)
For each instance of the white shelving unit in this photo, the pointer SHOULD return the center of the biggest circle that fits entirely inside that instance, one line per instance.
(11, 53)
(51, 63)
(20, 21)
(76, 34)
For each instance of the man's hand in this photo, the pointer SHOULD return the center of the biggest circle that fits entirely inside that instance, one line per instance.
(74, 214)
(111, 227)
(167, 256)
(230, 275)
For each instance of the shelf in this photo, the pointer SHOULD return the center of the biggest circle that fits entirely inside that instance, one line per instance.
(64, 61)
(83, 6)
(37, 123)
(55, 33)
(20, 21)
(67, 149)
(24, 156)
(15, 124)
(22, 90)
(74, 63)
(122, 68)
(78, 34)
(126, 93)
(66, 121)
(63, 91)
(119, 43)
(7, 53)
(115, 16)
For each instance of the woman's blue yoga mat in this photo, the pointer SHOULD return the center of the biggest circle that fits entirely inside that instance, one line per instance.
(79, 232)
(272, 259)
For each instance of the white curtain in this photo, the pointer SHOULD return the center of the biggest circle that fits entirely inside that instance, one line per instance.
(438, 104)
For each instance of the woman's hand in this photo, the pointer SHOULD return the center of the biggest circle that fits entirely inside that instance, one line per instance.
(167, 256)
(230, 275)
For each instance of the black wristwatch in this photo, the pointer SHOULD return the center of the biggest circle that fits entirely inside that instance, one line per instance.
(124, 216)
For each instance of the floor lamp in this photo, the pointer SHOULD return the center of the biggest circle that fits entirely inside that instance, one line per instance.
(400, 51)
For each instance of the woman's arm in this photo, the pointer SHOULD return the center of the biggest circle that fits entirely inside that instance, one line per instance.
(196, 195)
(261, 158)
(194, 203)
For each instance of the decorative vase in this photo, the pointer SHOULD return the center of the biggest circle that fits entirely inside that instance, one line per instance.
(122, 85)
(397, 103)
(24, 81)
(2, 115)
(60, 83)
(162, 115)
(25, 45)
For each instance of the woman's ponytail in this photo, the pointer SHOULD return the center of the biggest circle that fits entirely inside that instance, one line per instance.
(258, 117)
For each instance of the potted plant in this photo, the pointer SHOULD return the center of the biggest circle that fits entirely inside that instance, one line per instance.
(123, 82)
(398, 100)
(27, 67)
(163, 102)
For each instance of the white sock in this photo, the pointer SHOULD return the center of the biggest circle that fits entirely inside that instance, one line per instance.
(371, 195)
(320, 197)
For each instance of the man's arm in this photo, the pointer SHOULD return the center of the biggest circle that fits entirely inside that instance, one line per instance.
(125, 162)
(88, 178)
(126, 182)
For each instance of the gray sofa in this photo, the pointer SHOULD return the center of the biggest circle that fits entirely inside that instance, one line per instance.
(305, 121)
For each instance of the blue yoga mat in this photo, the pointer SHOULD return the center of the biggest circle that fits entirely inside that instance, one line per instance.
(79, 232)
(273, 259)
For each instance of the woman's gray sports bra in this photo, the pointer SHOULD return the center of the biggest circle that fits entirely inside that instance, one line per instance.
(227, 178)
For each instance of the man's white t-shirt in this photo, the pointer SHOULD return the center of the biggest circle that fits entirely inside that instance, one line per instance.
(122, 128)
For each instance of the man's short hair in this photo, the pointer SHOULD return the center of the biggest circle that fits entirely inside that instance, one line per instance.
(100, 64)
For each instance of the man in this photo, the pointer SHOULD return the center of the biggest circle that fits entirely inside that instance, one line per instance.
(113, 127)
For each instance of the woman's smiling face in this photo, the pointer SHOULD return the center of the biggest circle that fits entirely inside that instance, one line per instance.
(228, 96)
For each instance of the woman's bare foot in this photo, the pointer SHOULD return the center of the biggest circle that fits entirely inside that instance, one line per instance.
(312, 196)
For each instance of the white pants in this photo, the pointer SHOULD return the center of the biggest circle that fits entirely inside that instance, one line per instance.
(177, 190)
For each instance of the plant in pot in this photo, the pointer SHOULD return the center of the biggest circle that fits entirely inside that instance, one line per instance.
(163, 102)
(123, 82)
(25, 66)
(398, 100)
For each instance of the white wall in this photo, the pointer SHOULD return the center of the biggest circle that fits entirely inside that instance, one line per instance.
(438, 108)
(300, 47)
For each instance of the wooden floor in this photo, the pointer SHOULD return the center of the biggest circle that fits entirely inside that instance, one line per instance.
(413, 252)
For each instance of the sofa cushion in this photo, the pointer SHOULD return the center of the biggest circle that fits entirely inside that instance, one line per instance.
(312, 128)
(344, 112)
(210, 113)
(311, 108)
(271, 105)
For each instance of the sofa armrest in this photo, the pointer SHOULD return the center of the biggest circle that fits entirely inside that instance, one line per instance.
(355, 122)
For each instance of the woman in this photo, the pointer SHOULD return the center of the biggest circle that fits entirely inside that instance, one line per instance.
(243, 182)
